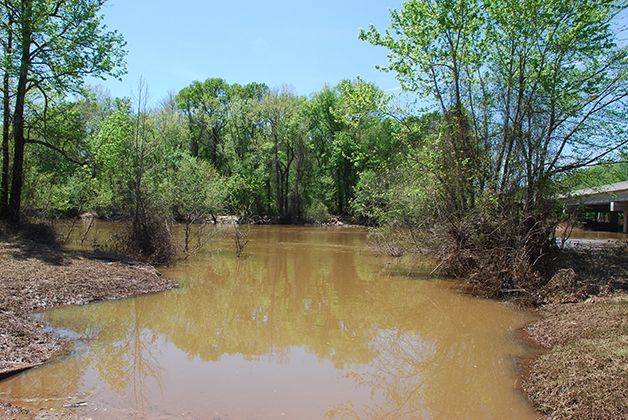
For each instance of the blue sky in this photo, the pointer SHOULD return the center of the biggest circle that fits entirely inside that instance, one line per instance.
(303, 44)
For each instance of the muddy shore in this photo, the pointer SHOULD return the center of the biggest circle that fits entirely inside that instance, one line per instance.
(35, 277)
(579, 372)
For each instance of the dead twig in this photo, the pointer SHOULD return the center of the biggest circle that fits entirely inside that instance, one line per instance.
(239, 242)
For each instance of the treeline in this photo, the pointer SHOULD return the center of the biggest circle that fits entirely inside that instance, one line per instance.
(212, 148)
(523, 98)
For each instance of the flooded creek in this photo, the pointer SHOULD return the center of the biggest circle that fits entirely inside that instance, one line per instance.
(310, 325)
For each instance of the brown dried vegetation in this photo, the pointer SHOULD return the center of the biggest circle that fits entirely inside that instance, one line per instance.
(36, 276)
(584, 374)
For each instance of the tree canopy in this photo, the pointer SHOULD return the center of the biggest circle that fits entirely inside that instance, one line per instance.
(49, 46)
(527, 91)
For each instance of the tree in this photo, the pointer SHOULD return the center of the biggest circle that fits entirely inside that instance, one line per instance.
(50, 181)
(149, 237)
(334, 147)
(109, 149)
(438, 60)
(280, 112)
(6, 65)
(206, 106)
(527, 91)
(57, 44)
(196, 191)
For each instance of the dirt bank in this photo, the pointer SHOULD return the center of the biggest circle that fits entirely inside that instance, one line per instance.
(35, 277)
(583, 374)
(582, 370)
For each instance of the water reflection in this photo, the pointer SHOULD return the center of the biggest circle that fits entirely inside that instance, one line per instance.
(116, 344)
(308, 327)
(450, 366)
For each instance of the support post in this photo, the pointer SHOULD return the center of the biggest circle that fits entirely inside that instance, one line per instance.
(623, 207)
(614, 221)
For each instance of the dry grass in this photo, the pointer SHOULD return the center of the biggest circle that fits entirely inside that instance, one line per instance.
(584, 374)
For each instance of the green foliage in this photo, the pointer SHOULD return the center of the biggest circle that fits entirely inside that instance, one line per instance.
(527, 92)
(602, 174)
(207, 107)
(61, 196)
(349, 135)
(280, 154)
(195, 189)
(284, 145)
(111, 161)
(316, 212)
(51, 46)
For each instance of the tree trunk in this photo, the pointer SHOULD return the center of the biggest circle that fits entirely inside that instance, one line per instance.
(6, 121)
(278, 176)
(18, 116)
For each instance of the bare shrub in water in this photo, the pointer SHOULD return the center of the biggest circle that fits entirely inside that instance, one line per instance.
(240, 241)
(149, 238)
(498, 258)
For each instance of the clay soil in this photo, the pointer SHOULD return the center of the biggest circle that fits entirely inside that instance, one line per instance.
(35, 277)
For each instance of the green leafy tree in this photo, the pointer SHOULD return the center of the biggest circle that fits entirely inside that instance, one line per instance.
(334, 149)
(64, 134)
(350, 137)
(7, 20)
(196, 192)
(206, 106)
(436, 53)
(280, 111)
(527, 91)
(110, 158)
(55, 45)
(83, 163)
(249, 180)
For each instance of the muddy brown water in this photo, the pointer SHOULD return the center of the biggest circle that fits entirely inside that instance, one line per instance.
(310, 325)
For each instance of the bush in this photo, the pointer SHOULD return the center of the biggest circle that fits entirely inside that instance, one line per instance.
(317, 212)
(149, 238)
(499, 253)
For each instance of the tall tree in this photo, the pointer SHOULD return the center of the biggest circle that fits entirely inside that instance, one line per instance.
(280, 111)
(57, 44)
(327, 138)
(206, 106)
(528, 90)
(7, 64)
(439, 60)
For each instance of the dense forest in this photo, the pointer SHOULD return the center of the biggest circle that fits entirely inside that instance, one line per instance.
(213, 148)
(521, 99)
